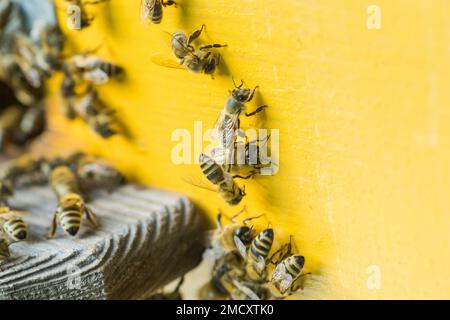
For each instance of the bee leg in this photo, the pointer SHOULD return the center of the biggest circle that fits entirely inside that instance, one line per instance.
(211, 46)
(240, 85)
(52, 231)
(90, 216)
(259, 109)
(194, 35)
(251, 175)
(219, 220)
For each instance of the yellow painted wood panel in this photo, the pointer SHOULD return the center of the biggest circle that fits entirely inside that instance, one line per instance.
(363, 118)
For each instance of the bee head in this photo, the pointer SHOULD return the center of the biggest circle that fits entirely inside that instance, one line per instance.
(240, 94)
(244, 233)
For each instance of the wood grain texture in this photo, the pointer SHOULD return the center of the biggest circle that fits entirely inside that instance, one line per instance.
(146, 239)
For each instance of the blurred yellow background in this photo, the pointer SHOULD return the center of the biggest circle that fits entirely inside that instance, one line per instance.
(363, 115)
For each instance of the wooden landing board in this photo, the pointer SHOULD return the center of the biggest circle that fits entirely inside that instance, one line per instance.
(145, 239)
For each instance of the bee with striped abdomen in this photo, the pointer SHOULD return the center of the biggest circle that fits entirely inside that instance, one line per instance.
(90, 68)
(283, 279)
(224, 182)
(71, 205)
(232, 236)
(4, 248)
(257, 255)
(152, 10)
(227, 125)
(12, 224)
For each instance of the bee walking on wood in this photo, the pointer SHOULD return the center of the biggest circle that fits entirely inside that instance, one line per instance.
(12, 224)
(197, 60)
(224, 182)
(71, 205)
(152, 10)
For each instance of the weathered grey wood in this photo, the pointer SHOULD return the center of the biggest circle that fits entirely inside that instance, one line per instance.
(146, 238)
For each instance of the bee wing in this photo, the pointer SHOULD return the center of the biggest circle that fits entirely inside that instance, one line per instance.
(279, 273)
(165, 61)
(96, 76)
(241, 247)
(198, 182)
(248, 292)
(146, 9)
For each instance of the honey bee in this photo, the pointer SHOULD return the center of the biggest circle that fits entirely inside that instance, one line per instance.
(6, 8)
(224, 182)
(71, 205)
(228, 280)
(201, 60)
(257, 255)
(12, 224)
(6, 191)
(68, 95)
(232, 236)
(227, 125)
(84, 19)
(247, 157)
(24, 171)
(152, 10)
(104, 123)
(4, 249)
(32, 124)
(90, 68)
(9, 120)
(283, 279)
(94, 174)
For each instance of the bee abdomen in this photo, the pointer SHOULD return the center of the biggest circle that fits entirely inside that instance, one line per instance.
(157, 12)
(16, 229)
(294, 265)
(111, 69)
(211, 170)
(262, 244)
(70, 221)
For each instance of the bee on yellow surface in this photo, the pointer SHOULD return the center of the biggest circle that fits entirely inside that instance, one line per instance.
(224, 182)
(71, 205)
(282, 282)
(84, 19)
(12, 224)
(198, 60)
(152, 10)
(258, 254)
(232, 236)
(90, 68)
(4, 248)
(247, 157)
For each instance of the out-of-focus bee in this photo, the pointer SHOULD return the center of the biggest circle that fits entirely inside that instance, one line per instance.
(6, 191)
(96, 174)
(9, 122)
(227, 125)
(71, 205)
(224, 182)
(4, 249)
(32, 124)
(228, 280)
(152, 10)
(81, 19)
(247, 157)
(104, 123)
(24, 171)
(12, 224)
(201, 60)
(257, 255)
(68, 94)
(90, 68)
(232, 236)
(6, 7)
(282, 282)
(174, 295)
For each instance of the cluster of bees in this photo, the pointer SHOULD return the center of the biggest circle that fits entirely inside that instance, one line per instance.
(72, 178)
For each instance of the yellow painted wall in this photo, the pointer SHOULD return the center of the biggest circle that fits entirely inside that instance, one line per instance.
(363, 116)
